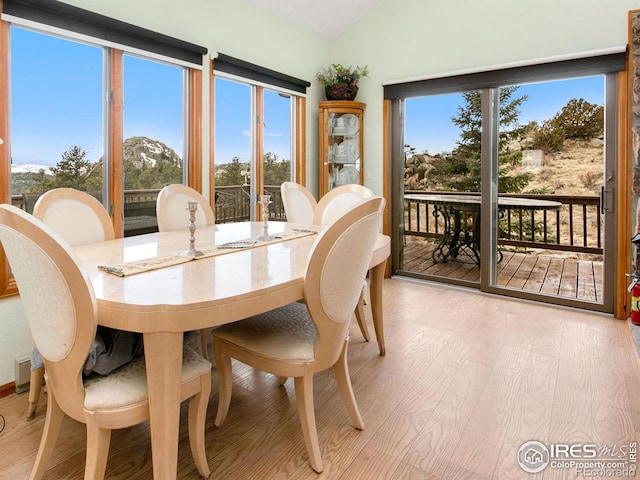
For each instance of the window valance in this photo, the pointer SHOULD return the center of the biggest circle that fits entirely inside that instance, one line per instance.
(234, 66)
(73, 19)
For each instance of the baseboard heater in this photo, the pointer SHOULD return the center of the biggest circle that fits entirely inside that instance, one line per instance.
(22, 369)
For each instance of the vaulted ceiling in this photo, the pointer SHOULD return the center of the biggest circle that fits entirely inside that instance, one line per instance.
(327, 18)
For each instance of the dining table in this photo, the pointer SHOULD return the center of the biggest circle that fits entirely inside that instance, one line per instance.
(460, 214)
(153, 284)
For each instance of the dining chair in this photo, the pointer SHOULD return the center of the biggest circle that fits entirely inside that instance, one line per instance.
(61, 310)
(299, 203)
(79, 218)
(171, 208)
(301, 339)
(171, 211)
(330, 207)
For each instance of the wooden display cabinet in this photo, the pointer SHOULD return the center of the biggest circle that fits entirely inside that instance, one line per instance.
(340, 144)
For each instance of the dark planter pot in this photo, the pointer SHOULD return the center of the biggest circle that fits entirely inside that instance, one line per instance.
(341, 91)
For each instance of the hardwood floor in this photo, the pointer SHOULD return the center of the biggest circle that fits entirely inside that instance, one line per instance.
(467, 378)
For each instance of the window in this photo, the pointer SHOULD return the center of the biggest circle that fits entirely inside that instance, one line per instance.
(113, 110)
(56, 115)
(258, 138)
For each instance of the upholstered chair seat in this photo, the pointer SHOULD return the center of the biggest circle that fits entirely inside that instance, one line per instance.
(127, 385)
(285, 334)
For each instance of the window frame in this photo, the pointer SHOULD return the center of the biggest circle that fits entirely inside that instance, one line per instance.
(298, 125)
(113, 132)
(612, 64)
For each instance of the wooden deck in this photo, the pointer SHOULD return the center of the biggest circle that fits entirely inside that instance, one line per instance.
(548, 273)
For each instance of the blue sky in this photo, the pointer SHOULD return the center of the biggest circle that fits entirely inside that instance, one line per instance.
(57, 102)
(233, 122)
(57, 99)
(428, 119)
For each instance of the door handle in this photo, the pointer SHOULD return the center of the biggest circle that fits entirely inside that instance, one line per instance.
(605, 196)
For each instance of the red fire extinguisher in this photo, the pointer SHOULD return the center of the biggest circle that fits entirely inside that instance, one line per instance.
(635, 300)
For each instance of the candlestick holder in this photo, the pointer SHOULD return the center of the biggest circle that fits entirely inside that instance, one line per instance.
(265, 200)
(192, 207)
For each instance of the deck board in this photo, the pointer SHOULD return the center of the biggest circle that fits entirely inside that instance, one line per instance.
(551, 283)
(541, 273)
(538, 273)
(569, 280)
(586, 286)
(522, 274)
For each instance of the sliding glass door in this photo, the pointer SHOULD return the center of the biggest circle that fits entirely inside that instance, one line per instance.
(552, 236)
(442, 168)
(509, 188)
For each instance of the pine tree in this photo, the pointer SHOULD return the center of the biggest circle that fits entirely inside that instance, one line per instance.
(462, 170)
(74, 170)
(232, 173)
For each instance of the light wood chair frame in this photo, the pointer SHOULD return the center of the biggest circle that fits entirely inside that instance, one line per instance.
(36, 251)
(45, 209)
(205, 216)
(328, 201)
(332, 338)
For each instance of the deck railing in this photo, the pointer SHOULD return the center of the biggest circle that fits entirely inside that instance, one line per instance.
(232, 205)
(575, 226)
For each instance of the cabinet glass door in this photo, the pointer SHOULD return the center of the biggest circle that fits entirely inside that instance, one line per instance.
(343, 150)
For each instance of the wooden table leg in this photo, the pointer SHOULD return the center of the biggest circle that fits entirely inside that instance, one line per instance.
(377, 277)
(163, 358)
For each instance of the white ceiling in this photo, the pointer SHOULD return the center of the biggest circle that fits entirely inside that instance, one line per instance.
(327, 18)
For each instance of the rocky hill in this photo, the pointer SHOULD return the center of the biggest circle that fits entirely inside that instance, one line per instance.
(575, 170)
(144, 152)
(148, 164)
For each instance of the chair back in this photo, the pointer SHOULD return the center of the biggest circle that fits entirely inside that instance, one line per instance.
(58, 300)
(335, 203)
(299, 203)
(77, 216)
(172, 209)
(337, 266)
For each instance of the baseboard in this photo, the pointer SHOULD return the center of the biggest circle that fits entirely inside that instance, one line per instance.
(8, 389)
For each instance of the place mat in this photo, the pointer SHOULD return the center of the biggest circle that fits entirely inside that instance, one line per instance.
(173, 259)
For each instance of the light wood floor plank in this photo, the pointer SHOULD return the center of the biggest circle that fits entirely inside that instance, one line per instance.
(467, 379)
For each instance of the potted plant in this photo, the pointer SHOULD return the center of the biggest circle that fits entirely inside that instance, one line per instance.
(341, 83)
